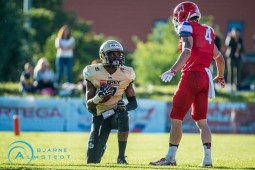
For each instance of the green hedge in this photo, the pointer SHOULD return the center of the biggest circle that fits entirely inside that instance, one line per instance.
(164, 92)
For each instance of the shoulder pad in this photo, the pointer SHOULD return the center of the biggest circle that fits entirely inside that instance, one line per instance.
(86, 72)
(129, 72)
(90, 70)
(185, 29)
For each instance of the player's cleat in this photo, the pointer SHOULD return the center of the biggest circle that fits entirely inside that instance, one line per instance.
(163, 161)
(122, 160)
(103, 151)
(206, 163)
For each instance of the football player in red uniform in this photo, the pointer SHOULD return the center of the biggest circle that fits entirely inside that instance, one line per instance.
(196, 85)
(107, 82)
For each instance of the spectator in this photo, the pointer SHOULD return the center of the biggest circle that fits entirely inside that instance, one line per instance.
(26, 79)
(64, 60)
(217, 42)
(44, 77)
(235, 48)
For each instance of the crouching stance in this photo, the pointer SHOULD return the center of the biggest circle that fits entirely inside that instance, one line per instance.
(106, 84)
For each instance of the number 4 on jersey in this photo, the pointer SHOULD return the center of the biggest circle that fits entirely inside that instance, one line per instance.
(208, 35)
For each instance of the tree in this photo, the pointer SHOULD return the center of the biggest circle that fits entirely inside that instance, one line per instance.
(21, 43)
(155, 55)
(15, 41)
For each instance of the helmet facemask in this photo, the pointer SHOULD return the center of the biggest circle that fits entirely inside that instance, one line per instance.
(176, 23)
(114, 59)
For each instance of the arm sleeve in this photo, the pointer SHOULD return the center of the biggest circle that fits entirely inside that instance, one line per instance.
(185, 29)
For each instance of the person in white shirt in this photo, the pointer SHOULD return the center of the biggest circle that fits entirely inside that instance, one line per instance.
(65, 44)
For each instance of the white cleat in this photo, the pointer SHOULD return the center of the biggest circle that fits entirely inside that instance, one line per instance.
(206, 163)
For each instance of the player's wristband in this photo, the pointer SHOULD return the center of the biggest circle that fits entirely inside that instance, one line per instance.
(173, 71)
(97, 99)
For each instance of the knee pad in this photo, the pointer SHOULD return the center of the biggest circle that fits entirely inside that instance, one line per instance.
(114, 121)
(123, 125)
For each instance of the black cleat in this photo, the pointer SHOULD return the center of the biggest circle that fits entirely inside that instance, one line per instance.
(103, 151)
(122, 160)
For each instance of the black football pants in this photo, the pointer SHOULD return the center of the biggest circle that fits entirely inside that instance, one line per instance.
(100, 131)
(99, 134)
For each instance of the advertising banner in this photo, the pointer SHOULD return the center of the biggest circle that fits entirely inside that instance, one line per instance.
(35, 114)
(78, 117)
(150, 116)
(70, 114)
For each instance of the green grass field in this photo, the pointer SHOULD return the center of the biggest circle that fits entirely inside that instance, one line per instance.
(229, 151)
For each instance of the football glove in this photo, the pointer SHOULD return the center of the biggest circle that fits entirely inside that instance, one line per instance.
(220, 80)
(121, 105)
(105, 90)
(168, 75)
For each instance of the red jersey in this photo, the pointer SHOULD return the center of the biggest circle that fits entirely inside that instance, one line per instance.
(203, 45)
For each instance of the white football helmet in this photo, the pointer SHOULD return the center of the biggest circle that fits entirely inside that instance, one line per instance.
(111, 53)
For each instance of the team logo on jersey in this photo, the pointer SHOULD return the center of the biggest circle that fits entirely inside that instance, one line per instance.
(112, 82)
(103, 82)
(97, 69)
(179, 12)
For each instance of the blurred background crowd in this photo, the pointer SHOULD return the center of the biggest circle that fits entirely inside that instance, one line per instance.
(48, 43)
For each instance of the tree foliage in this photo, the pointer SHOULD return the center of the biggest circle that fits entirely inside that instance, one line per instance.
(156, 55)
(14, 41)
(26, 37)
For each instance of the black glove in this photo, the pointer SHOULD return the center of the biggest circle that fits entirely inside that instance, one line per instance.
(105, 90)
(121, 105)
